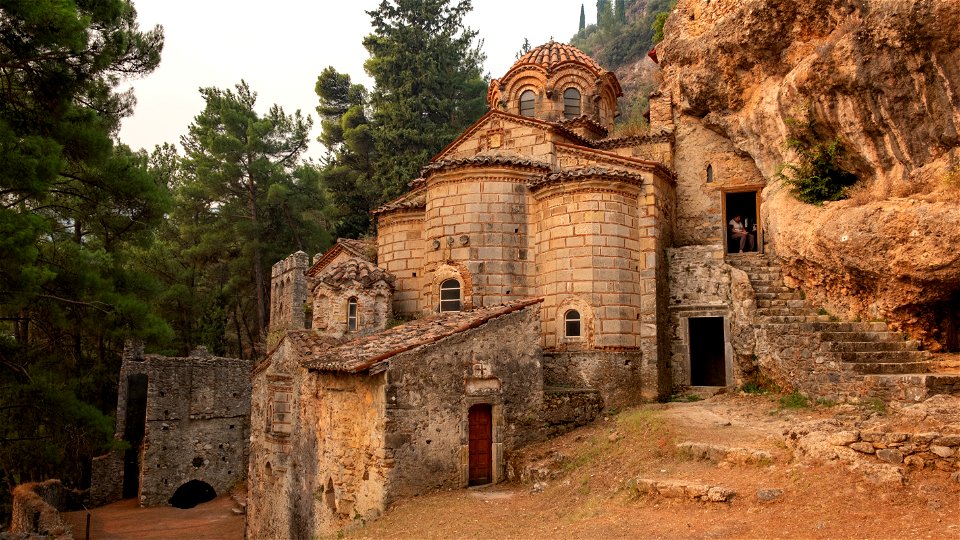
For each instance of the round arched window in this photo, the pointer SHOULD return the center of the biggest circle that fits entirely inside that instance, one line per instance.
(571, 324)
(571, 103)
(527, 103)
(450, 296)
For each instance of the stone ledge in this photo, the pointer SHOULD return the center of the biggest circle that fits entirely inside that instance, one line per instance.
(678, 489)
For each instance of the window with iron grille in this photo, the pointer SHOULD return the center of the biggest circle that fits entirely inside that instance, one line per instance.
(571, 322)
(571, 103)
(527, 102)
(450, 296)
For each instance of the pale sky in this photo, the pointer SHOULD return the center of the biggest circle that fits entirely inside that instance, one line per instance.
(280, 47)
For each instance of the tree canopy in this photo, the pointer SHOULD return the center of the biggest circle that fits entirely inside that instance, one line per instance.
(73, 204)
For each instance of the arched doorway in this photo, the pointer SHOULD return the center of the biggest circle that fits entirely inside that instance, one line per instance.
(192, 493)
(480, 419)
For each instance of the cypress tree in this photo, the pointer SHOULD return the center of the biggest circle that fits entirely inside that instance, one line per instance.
(583, 18)
(620, 10)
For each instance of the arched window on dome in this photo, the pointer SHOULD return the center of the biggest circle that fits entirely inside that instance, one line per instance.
(571, 103)
(571, 324)
(527, 102)
(450, 296)
(709, 173)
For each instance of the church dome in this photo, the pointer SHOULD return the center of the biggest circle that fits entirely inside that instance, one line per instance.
(557, 82)
(553, 55)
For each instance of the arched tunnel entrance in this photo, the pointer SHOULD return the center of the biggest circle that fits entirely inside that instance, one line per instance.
(192, 493)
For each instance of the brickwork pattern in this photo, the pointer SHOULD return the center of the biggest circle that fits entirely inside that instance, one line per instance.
(400, 245)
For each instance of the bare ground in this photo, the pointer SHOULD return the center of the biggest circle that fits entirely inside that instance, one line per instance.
(125, 520)
(591, 495)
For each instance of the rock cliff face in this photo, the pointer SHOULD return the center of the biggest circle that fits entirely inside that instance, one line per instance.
(883, 77)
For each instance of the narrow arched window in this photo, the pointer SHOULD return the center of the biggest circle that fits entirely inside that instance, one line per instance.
(450, 296)
(527, 102)
(571, 323)
(352, 315)
(709, 173)
(571, 103)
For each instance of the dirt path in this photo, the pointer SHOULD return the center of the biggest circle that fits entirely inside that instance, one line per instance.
(591, 494)
(125, 520)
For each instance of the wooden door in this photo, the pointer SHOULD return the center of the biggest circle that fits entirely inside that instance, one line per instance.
(481, 445)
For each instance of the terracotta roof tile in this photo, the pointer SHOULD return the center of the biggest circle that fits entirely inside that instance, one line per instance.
(364, 353)
(355, 270)
(600, 173)
(552, 54)
(486, 159)
(363, 249)
(633, 140)
(411, 200)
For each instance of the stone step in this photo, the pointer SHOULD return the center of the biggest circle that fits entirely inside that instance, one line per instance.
(785, 294)
(861, 336)
(897, 368)
(842, 326)
(789, 319)
(869, 346)
(759, 289)
(764, 276)
(784, 310)
(883, 357)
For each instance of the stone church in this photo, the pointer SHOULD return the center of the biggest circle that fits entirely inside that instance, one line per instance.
(546, 270)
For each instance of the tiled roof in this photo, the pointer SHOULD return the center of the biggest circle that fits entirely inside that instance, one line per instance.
(552, 54)
(364, 353)
(585, 121)
(633, 140)
(363, 249)
(355, 270)
(411, 200)
(486, 159)
(600, 173)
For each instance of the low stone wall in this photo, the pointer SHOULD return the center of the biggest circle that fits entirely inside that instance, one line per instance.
(108, 470)
(567, 408)
(917, 450)
(36, 509)
(616, 375)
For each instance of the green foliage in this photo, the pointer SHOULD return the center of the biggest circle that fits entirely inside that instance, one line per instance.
(795, 400)
(74, 206)
(624, 33)
(583, 19)
(876, 405)
(428, 85)
(247, 201)
(816, 176)
(684, 398)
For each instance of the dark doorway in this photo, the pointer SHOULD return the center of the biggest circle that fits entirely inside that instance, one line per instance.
(481, 445)
(708, 366)
(192, 493)
(743, 204)
(133, 430)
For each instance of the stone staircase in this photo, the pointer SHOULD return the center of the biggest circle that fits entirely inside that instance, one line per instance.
(841, 354)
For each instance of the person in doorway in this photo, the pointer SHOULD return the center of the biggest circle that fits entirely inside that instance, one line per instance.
(739, 232)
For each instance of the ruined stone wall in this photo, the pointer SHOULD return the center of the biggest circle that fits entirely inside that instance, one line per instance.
(615, 375)
(430, 391)
(477, 227)
(197, 422)
(656, 232)
(37, 506)
(400, 247)
(323, 467)
(288, 292)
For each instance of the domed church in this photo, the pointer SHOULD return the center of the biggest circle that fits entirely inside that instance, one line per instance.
(545, 273)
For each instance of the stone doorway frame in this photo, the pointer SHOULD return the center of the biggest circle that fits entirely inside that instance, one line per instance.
(498, 464)
(724, 191)
(727, 345)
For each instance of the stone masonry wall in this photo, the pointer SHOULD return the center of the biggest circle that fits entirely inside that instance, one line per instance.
(615, 375)
(37, 506)
(479, 223)
(587, 250)
(197, 422)
(288, 292)
(430, 391)
(699, 217)
(374, 308)
(400, 246)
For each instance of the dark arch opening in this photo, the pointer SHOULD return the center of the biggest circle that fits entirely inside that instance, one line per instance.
(192, 493)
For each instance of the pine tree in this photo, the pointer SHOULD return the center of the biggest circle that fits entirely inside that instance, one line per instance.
(583, 18)
(255, 194)
(524, 49)
(73, 204)
(347, 134)
(429, 84)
